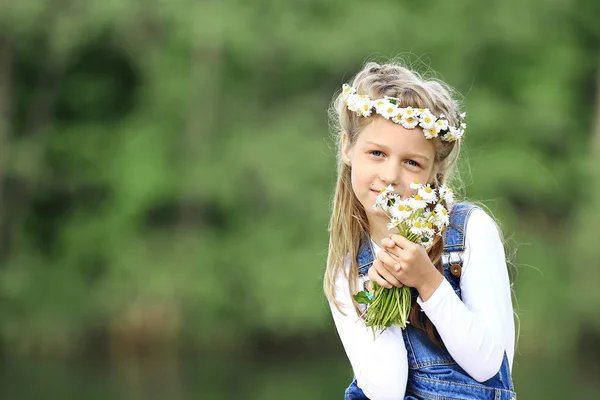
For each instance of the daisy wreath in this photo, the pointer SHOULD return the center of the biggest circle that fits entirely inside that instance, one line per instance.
(409, 117)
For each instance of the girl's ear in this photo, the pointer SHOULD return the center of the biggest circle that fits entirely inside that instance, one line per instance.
(434, 174)
(345, 148)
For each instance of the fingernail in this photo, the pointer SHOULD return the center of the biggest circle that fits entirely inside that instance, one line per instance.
(397, 267)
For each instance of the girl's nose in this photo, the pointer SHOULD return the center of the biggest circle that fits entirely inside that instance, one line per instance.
(390, 174)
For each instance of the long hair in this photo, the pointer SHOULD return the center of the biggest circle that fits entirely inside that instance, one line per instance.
(348, 221)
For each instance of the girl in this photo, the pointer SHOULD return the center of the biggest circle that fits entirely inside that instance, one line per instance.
(460, 340)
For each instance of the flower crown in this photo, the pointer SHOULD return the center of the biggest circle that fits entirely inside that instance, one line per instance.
(433, 126)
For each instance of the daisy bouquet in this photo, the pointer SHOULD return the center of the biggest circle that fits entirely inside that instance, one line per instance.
(418, 218)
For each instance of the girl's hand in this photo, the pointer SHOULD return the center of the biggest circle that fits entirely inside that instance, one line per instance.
(408, 262)
(382, 275)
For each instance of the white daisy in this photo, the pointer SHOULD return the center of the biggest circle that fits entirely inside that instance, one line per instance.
(430, 133)
(394, 222)
(426, 241)
(387, 110)
(416, 228)
(442, 124)
(453, 134)
(410, 112)
(416, 202)
(398, 117)
(441, 216)
(364, 106)
(415, 185)
(426, 119)
(401, 210)
(388, 189)
(347, 90)
(427, 194)
(409, 122)
(449, 196)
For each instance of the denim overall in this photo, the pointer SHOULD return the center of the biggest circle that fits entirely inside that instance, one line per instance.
(432, 373)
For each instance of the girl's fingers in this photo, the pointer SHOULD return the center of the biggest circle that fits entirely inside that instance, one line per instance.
(389, 261)
(389, 246)
(382, 276)
(401, 241)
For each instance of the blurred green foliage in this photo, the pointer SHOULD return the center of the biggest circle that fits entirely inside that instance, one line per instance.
(167, 169)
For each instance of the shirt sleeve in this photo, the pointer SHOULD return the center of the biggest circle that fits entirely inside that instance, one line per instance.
(381, 365)
(478, 330)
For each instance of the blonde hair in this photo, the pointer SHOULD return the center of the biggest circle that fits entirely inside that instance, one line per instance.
(348, 221)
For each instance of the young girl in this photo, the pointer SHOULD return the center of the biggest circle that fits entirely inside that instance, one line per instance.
(460, 340)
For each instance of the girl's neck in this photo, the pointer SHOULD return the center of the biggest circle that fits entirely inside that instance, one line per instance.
(378, 230)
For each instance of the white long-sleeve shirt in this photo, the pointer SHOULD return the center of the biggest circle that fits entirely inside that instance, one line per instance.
(476, 331)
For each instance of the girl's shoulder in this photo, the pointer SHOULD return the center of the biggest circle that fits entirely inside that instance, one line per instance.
(472, 221)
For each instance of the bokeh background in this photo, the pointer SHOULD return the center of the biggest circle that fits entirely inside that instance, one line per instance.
(166, 173)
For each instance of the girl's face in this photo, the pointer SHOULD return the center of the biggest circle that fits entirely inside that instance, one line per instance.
(386, 153)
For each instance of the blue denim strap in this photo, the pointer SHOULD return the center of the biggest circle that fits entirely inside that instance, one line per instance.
(454, 237)
(454, 241)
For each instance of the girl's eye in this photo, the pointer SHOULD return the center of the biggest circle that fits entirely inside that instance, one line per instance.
(376, 153)
(413, 163)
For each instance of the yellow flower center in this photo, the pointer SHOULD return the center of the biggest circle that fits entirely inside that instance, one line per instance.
(429, 225)
(409, 111)
(428, 189)
(410, 120)
(366, 107)
(389, 110)
(417, 197)
(444, 211)
(416, 183)
(421, 110)
(401, 207)
(418, 225)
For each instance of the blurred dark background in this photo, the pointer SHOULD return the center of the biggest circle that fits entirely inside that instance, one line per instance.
(166, 172)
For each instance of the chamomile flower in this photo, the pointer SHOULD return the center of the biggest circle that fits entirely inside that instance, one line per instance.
(447, 194)
(453, 134)
(387, 110)
(347, 90)
(381, 201)
(401, 210)
(398, 117)
(409, 122)
(426, 241)
(416, 202)
(394, 222)
(428, 233)
(430, 133)
(410, 112)
(442, 124)
(416, 228)
(441, 216)
(426, 119)
(387, 189)
(415, 185)
(365, 108)
(427, 194)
